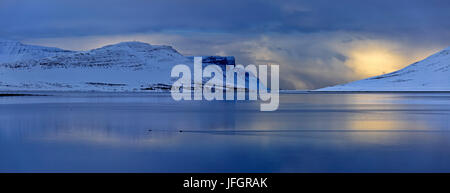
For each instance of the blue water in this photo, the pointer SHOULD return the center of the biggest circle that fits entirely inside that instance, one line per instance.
(87, 132)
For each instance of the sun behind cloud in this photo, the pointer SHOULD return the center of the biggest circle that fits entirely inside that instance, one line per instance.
(376, 57)
(375, 60)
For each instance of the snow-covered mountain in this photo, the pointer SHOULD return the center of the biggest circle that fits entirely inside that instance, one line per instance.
(11, 51)
(126, 66)
(430, 74)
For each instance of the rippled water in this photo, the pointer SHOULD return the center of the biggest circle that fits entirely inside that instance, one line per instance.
(95, 132)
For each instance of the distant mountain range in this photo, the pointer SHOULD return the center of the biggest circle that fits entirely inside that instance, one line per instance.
(138, 66)
(126, 66)
(430, 74)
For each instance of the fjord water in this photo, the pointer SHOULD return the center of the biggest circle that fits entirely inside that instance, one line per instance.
(101, 132)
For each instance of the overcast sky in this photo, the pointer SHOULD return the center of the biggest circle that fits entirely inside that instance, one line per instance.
(316, 43)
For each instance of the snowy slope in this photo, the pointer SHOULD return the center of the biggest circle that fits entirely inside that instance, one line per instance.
(126, 66)
(11, 51)
(430, 74)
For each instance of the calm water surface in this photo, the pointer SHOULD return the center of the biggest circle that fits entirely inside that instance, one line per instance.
(79, 132)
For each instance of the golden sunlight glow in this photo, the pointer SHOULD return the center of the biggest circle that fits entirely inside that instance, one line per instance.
(375, 60)
(376, 57)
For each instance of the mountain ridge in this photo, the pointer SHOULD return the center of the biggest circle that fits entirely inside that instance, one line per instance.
(125, 66)
(11, 51)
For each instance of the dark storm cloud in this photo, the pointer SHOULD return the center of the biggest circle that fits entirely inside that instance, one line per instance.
(294, 33)
(83, 17)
